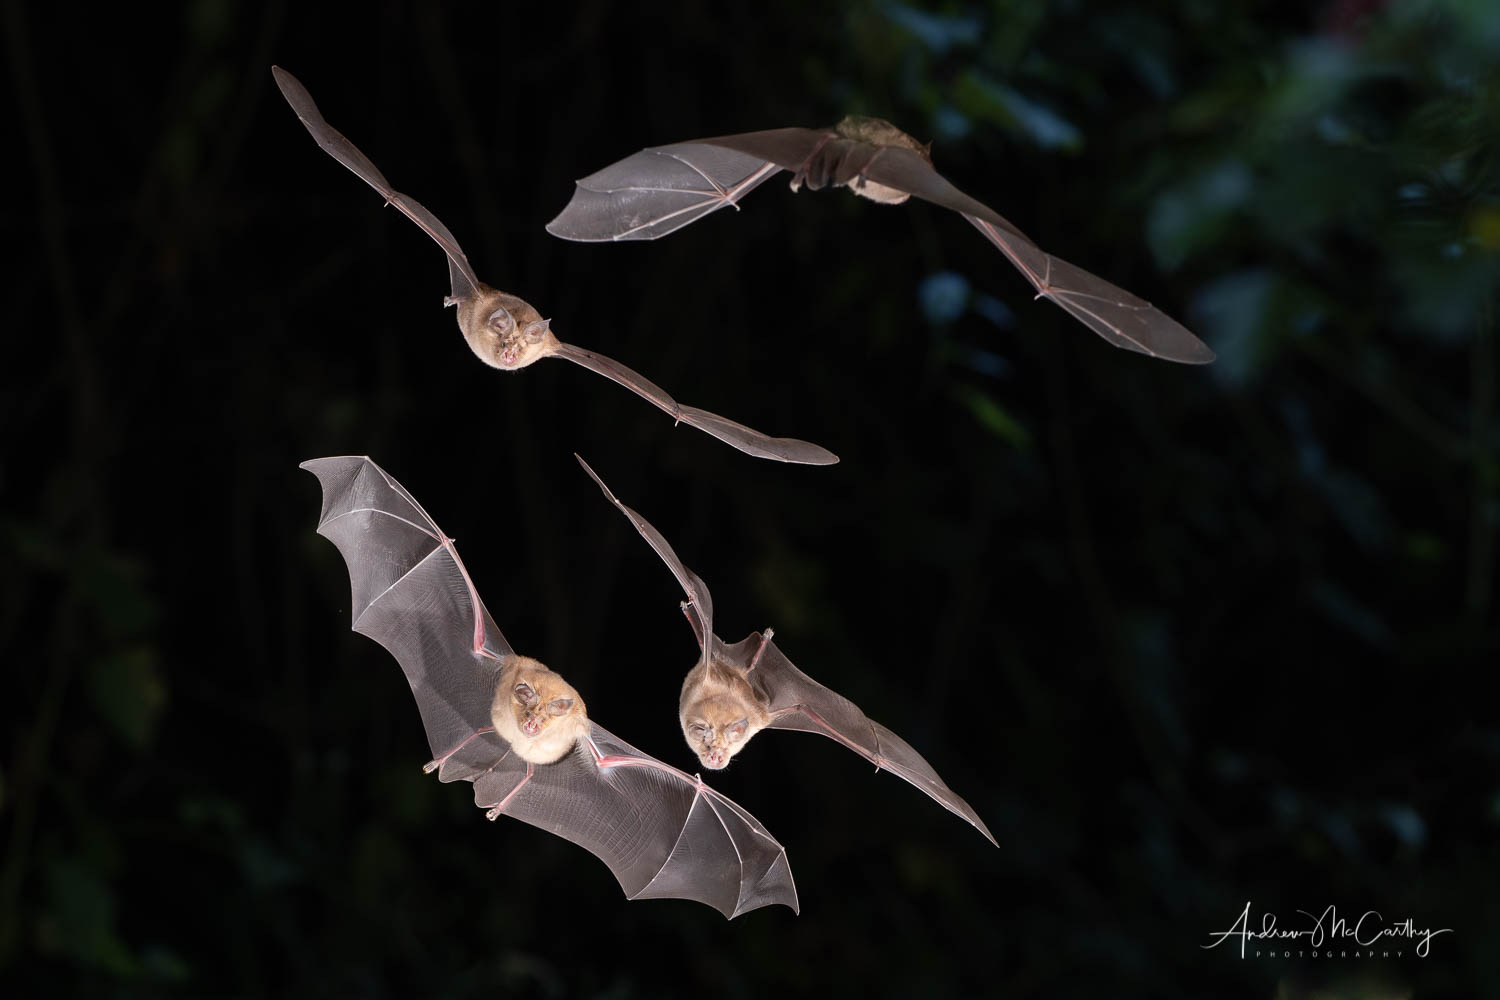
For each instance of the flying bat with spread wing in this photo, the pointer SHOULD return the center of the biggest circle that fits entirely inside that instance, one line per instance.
(520, 732)
(505, 331)
(663, 188)
(736, 691)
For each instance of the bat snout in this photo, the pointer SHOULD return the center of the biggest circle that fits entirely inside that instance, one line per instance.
(531, 726)
(715, 760)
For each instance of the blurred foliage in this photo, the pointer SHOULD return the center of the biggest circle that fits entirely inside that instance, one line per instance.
(1184, 637)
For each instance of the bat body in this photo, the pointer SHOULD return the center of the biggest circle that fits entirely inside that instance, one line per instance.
(663, 188)
(520, 732)
(737, 690)
(505, 331)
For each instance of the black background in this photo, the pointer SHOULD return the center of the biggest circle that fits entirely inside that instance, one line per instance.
(1186, 638)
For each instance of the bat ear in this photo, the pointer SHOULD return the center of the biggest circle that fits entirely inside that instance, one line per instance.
(736, 730)
(500, 320)
(525, 695)
(536, 331)
(560, 706)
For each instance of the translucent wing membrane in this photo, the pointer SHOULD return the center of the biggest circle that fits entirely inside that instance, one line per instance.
(660, 831)
(332, 142)
(660, 190)
(793, 699)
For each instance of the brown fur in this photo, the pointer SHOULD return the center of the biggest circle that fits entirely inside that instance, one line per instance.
(510, 340)
(715, 699)
(879, 132)
(553, 735)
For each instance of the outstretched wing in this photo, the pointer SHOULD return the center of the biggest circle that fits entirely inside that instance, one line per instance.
(660, 190)
(1113, 313)
(460, 274)
(736, 435)
(699, 600)
(796, 701)
(412, 595)
(661, 832)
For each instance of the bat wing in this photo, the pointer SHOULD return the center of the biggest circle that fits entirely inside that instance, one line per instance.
(662, 189)
(659, 190)
(796, 701)
(661, 832)
(664, 833)
(699, 599)
(736, 435)
(1113, 313)
(460, 274)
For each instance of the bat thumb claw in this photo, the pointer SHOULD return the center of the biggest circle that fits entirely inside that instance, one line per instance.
(492, 814)
(431, 765)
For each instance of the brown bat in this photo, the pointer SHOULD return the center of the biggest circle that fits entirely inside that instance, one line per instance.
(505, 331)
(661, 189)
(520, 732)
(736, 691)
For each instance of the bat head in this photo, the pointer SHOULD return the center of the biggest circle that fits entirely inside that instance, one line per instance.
(503, 330)
(717, 726)
(537, 712)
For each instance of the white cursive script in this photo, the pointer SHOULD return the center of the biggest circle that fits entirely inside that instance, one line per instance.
(1328, 928)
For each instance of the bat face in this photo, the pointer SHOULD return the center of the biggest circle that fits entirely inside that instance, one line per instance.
(504, 331)
(537, 712)
(719, 712)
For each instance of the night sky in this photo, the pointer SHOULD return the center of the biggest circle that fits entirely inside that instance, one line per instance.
(1188, 638)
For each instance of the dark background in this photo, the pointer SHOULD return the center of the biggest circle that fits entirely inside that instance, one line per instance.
(1184, 637)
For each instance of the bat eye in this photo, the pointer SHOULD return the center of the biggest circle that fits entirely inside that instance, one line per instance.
(525, 695)
(698, 729)
(560, 706)
(500, 321)
(535, 331)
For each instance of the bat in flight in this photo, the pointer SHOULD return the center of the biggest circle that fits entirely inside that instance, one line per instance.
(736, 691)
(506, 332)
(663, 188)
(520, 732)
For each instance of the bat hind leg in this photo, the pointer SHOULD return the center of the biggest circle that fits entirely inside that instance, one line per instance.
(499, 807)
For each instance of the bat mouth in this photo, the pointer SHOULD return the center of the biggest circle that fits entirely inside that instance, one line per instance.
(715, 760)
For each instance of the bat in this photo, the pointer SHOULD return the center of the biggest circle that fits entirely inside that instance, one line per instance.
(520, 732)
(663, 188)
(505, 331)
(736, 691)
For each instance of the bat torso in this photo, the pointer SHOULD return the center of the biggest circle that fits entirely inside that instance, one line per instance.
(504, 331)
